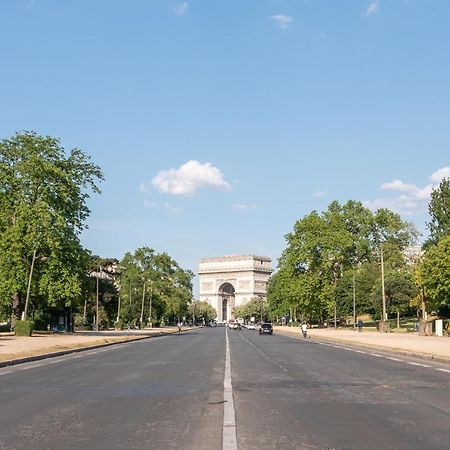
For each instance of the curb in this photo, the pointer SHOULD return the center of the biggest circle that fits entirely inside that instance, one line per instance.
(16, 361)
(398, 351)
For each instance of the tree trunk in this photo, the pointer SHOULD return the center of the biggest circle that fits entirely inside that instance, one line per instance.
(15, 309)
(398, 318)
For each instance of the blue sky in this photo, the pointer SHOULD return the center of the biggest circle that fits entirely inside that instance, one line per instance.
(218, 124)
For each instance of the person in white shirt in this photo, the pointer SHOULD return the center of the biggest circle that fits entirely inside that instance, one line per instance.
(304, 328)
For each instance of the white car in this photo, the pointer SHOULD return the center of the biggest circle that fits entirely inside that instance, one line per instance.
(251, 326)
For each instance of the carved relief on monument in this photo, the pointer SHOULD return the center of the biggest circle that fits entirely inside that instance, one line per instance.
(207, 287)
(244, 284)
(260, 284)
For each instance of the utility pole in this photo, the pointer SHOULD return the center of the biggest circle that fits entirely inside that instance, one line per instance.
(129, 305)
(150, 308)
(24, 315)
(383, 295)
(96, 306)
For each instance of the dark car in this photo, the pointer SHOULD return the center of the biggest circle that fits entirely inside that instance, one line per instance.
(266, 328)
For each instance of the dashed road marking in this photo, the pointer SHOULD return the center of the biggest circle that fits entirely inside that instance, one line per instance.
(417, 364)
(443, 370)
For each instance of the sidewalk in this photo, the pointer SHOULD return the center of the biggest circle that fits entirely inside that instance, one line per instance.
(409, 344)
(16, 348)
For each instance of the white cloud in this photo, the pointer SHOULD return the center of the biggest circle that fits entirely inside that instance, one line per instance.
(281, 20)
(411, 199)
(30, 4)
(243, 207)
(437, 176)
(372, 9)
(320, 194)
(181, 9)
(190, 177)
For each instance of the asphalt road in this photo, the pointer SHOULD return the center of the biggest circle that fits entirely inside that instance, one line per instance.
(167, 393)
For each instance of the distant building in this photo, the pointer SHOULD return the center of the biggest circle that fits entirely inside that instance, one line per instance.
(229, 281)
(413, 254)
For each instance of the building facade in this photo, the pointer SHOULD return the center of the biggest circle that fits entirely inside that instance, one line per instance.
(230, 281)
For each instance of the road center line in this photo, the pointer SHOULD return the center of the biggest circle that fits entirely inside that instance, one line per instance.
(229, 439)
(443, 370)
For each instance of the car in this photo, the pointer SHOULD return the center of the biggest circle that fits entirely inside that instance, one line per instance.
(266, 328)
(251, 326)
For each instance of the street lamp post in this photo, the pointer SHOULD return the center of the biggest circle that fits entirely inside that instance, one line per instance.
(354, 302)
(141, 319)
(150, 307)
(120, 294)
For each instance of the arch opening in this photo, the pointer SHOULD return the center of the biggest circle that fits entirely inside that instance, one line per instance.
(227, 300)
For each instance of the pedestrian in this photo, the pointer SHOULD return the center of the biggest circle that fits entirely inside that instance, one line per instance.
(360, 325)
(304, 328)
(179, 327)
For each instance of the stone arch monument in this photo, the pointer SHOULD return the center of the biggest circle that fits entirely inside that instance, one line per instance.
(229, 281)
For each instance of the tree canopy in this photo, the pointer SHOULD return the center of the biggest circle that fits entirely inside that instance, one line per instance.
(324, 249)
(43, 209)
(167, 285)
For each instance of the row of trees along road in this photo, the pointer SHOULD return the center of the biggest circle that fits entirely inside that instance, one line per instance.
(433, 273)
(44, 269)
(333, 260)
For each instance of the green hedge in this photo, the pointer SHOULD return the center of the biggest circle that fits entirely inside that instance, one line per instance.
(23, 327)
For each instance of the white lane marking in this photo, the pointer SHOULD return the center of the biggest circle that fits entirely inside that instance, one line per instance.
(376, 355)
(229, 439)
(417, 364)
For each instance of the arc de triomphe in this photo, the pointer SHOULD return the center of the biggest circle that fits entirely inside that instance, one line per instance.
(229, 281)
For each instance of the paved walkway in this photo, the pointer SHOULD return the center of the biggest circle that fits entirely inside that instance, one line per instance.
(17, 347)
(406, 343)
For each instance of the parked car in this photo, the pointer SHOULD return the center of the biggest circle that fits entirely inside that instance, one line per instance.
(251, 326)
(266, 328)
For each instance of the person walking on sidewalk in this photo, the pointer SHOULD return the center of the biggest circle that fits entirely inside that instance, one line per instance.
(360, 325)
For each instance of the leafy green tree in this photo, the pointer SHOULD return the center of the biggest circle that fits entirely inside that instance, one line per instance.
(256, 307)
(323, 247)
(400, 291)
(201, 312)
(439, 210)
(43, 209)
(434, 273)
(153, 277)
(105, 271)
